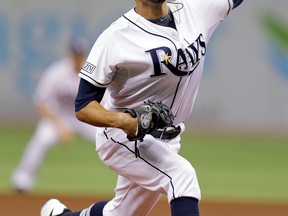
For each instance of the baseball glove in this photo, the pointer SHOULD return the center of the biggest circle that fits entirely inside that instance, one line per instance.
(150, 116)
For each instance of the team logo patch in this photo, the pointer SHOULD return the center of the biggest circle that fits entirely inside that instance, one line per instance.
(146, 120)
(88, 67)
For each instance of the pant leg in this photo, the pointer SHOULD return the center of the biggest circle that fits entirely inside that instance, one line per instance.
(44, 137)
(131, 199)
(157, 169)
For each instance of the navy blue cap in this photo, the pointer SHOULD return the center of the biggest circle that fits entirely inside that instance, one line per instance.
(79, 45)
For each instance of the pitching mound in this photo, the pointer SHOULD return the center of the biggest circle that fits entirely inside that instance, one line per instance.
(29, 205)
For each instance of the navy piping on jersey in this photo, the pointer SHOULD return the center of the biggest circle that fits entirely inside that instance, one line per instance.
(101, 84)
(229, 9)
(151, 32)
(139, 156)
(176, 91)
(178, 84)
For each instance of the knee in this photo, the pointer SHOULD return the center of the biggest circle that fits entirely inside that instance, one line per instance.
(184, 183)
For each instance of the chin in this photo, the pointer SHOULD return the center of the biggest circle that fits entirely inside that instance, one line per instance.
(154, 2)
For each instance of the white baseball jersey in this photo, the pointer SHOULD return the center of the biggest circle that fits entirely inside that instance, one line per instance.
(138, 60)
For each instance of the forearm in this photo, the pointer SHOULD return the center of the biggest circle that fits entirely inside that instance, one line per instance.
(95, 114)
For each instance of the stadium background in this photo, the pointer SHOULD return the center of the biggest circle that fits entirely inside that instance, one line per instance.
(243, 93)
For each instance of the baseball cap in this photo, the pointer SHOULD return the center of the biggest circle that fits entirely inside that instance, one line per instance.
(79, 45)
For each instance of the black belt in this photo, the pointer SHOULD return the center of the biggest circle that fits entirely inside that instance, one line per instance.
(168, 133)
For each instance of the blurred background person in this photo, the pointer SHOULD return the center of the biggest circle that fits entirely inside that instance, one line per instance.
(54, 99)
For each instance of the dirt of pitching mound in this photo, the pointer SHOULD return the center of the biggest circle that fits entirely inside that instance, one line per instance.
(29, 205)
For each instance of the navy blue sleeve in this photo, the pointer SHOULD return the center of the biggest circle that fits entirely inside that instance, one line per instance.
(87, 93)
(236, 3)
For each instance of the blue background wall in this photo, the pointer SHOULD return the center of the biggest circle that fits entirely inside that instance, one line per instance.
(245, 83)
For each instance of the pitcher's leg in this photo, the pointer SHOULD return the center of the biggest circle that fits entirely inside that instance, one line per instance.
(131, 199)
(157, 167)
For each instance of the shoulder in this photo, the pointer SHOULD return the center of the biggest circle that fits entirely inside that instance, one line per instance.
(56, 69)
(114, 33)
(203, 5)
(60, 63)
(209, 11)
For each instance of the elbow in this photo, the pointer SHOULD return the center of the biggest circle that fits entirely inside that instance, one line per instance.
(87, 113)
(79, 115)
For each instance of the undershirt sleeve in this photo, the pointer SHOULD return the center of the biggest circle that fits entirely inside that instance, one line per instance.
(87, 93)
(236, 3)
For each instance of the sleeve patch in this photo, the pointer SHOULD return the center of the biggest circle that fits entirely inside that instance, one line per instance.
(89, 68)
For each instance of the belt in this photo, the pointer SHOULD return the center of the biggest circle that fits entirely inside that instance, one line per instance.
(168, 133)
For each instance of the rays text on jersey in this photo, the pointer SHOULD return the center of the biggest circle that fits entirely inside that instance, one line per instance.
(187, 59)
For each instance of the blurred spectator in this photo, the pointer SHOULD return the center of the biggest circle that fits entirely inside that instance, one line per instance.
(54, 99)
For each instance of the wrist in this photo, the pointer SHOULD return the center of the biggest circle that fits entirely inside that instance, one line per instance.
(127, 123)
